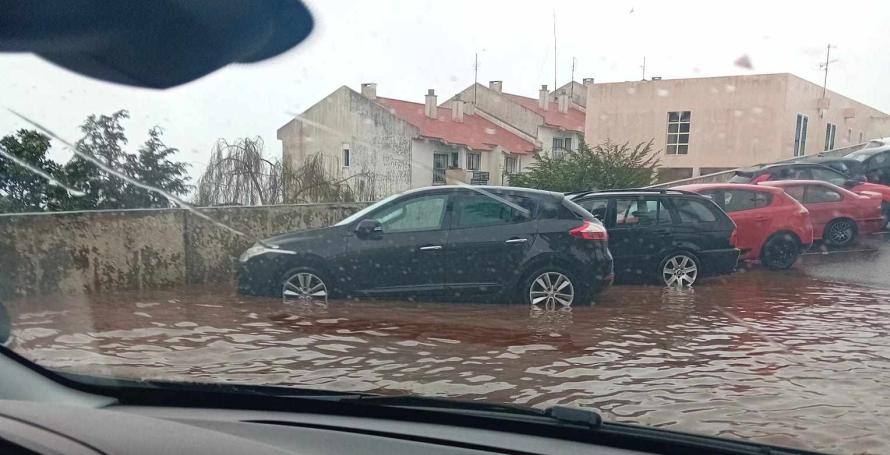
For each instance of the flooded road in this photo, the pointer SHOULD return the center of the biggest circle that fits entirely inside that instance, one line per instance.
(776, 357)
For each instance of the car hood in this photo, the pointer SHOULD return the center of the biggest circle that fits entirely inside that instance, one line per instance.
(288, 238)
(883, 190)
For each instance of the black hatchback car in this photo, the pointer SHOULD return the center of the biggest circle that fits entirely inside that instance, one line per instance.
(668, 236)
(531, 245)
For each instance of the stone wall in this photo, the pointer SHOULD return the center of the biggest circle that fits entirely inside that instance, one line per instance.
(94, 251)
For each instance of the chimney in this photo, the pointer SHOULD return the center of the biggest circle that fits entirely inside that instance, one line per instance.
(457, 110)
(543, 97)
(497, 86)
(369, 90)
(430, 109)
(469, 109)
(588, 81)
(563, 102)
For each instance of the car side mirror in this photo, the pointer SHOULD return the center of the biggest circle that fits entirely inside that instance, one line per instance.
(369, 229)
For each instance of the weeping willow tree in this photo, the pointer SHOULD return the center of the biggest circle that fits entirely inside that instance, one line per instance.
(238, 174)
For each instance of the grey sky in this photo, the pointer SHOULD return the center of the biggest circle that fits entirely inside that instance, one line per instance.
(409, 46)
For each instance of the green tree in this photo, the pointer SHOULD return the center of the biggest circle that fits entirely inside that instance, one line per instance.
(151, 165)
(606, 166)
(22, 189)
(104, 139)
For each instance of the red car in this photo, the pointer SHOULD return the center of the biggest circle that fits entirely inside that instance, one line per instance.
(838, 215)
(772, 226)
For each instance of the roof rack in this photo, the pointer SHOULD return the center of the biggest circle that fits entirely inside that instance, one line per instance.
(633, 190)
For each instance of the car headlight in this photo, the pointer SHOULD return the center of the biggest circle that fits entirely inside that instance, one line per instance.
(259, 249)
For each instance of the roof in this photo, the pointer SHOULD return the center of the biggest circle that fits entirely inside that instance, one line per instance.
(784, 183)
(868, 151)
(474, 132)
(695, 188)
(571, 120)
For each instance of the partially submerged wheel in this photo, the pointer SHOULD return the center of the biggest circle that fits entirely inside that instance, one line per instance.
(840, 232)
(550, 289)
(679, 269)
(780, 252)
(304, 285)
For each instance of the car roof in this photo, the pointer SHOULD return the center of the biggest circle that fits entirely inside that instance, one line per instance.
(696, 187)
(631, 192)
(869, 151)
(828, 159)
(763, 167)
(784, 183)
(490, 188)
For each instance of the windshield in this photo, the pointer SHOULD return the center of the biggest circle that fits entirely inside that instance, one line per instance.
(181, 229)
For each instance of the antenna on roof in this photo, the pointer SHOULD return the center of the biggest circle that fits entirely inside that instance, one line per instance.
(824, 67)
(475, 76)
(644, 67)
(554, 49)
(572, 84)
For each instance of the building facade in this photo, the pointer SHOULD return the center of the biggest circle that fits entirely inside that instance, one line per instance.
(707, 125)
(383, 146)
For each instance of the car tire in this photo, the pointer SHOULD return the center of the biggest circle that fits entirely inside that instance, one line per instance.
(840, 232)
(545, 288)
(780, 252)
(304, 284)
(687, 266)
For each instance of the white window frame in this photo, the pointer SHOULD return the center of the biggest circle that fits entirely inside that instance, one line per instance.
(508, 159)
(474, 156)
(674, 142)
(830, 132)
(800, 134)
(346, 155)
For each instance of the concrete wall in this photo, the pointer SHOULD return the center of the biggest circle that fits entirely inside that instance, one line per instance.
(95, 251)
(379, 142)
(507, 112)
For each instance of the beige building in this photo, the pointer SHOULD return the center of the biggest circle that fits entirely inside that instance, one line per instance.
(706, 125)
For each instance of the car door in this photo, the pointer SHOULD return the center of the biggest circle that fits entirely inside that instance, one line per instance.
(877, 168)
(641, 229)
(490, 235)
(822, 202)
(409, 254)
(697, 226)
(748, 210)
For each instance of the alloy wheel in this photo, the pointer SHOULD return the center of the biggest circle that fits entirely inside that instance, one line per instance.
(551, 289)
(840, 232)
(780, 253)
(679, 270)
(304, 286)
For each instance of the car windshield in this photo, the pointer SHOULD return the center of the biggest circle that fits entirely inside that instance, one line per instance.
(164, 220)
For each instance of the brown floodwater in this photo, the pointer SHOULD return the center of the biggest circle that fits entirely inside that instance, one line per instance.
(774, 357)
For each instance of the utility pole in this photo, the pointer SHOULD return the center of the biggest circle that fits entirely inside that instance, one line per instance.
(475, 76)
(824, 67)
(572, 85)
(644, 67)
(554, 49)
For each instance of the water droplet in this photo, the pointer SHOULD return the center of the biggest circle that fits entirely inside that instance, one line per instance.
(662, 92)
(729, 88)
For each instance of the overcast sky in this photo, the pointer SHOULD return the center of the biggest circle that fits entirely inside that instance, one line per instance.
(409, 46)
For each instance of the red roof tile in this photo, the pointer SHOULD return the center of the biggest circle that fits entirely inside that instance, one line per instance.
(571, 120)
(474, 132)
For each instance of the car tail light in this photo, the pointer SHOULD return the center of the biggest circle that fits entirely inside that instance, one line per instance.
(734, 237)
(590, 231)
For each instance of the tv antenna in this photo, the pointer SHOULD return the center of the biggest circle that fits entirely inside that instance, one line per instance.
(824, 67)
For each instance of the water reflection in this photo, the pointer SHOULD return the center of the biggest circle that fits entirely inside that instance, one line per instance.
(776, 357)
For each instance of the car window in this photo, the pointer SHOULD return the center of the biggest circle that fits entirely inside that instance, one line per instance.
(828, 176)
(818, 193)
(597, 207)
(839, 166)
(741, 178)
(422, 213)
(795, 191)
(880, 160)
(475, 210)
(692, 211)
(640, 212)
(803, 173)
(738, 200)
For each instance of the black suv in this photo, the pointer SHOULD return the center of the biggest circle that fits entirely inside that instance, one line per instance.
(452, 240)
(669, 236)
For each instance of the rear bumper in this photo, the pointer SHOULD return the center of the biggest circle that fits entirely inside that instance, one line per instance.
(718, 262)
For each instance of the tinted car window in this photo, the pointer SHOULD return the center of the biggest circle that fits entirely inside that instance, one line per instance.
(828, 176)
(737, 200)
(741, 178)
(475, 210)
(423, 213)
(816, 193)
(597, 207)
(641, 212)
(795, 191)
(692, 211)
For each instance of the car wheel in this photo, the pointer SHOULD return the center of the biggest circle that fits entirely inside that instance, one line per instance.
(780, 252)
(552, 287)
(679, 269)
(840, 232)
(304, 284)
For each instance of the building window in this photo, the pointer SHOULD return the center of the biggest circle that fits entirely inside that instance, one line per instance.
(849, 135)
(474, 161)
(800, 135)
(567, 143)
(455, 159)
(830, 129)
(678, 132)
(860, 137)
(346, 157)
(511, 164)
(557, 143)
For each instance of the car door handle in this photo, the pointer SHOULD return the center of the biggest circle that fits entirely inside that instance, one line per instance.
(512, 241)
(431, 248)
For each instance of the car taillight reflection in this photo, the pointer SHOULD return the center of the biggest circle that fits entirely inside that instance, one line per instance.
(590, 231)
